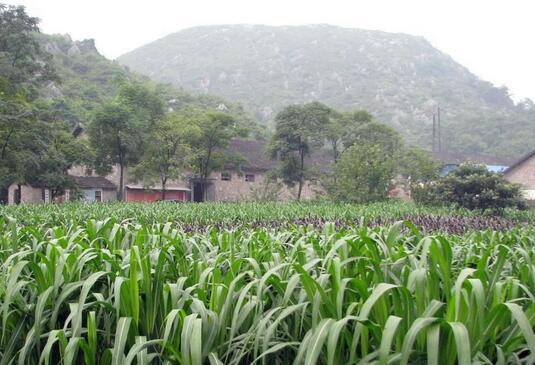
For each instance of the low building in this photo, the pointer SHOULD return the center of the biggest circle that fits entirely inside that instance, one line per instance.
(249, 179)
(523, 172)
(27, 194)
(93, 189)
(88, 188)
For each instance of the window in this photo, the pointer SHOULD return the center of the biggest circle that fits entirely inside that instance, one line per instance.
(249, 177)
(98, 195)
(226, 176)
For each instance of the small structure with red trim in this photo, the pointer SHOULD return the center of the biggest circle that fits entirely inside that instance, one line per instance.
(140, 193)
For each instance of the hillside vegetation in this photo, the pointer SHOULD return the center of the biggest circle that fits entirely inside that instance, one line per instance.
(400, 79)
(86, 79)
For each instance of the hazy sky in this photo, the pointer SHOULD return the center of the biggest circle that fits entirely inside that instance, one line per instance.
(493, 38)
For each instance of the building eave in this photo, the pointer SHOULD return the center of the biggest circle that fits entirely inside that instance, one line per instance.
(520, 161)
(156, 188)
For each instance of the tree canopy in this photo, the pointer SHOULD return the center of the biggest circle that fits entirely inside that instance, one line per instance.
(215, 131)
(298, 130)
(119, 129)
(169, 150)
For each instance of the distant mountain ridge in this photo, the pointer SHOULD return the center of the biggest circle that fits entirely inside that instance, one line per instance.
(400, 78)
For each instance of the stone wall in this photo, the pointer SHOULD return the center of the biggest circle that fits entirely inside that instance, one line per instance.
(524, 174)
(109, 195)
(29, 194)
(238, 189)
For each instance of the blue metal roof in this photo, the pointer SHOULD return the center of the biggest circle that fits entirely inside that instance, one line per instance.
(447, 168)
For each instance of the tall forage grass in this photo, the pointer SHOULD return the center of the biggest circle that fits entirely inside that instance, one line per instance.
(110, 292)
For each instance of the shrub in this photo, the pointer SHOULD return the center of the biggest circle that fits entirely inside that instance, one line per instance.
(426, 193)
(471, 187)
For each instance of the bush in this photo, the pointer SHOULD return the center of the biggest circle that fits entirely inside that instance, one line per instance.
(426, 193)
(471, 187)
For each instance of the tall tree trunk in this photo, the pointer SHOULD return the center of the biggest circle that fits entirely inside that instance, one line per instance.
(300, 189)
(18, 199)
(205, 172)
(164, 181)
(335, 157)
(301, 175)
(120, 195)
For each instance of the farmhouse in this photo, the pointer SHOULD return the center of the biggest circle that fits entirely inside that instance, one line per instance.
(89, 188)
(94, 189)
(523, 172)
(248, 178)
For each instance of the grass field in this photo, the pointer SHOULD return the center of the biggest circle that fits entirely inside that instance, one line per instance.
(265, 284)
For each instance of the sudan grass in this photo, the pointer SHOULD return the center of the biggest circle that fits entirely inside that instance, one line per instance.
(191, 216)
(106, 292)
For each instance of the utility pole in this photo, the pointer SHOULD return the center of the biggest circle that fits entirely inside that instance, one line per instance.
(438, 125)
(434, 133)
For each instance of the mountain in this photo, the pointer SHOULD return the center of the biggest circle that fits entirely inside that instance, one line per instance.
(86, 79)
(399, 78)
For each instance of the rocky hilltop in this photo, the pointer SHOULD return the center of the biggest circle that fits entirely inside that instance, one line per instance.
(400, 78)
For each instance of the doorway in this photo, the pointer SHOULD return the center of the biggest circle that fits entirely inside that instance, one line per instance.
(197, 193)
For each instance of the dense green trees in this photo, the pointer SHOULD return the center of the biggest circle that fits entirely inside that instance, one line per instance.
(365, 155)
(122, 113)
(368, 164)
(364, 174)
(169, 149)
(299, 129)
(342, 128)
(216, 129)
(120, 127)
(35, 148)
(417, 165)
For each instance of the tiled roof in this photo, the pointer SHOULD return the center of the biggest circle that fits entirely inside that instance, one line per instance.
(521, 161)
(255, 155)
(88, 182)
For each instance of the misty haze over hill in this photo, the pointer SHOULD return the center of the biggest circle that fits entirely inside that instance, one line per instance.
(399, 78)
